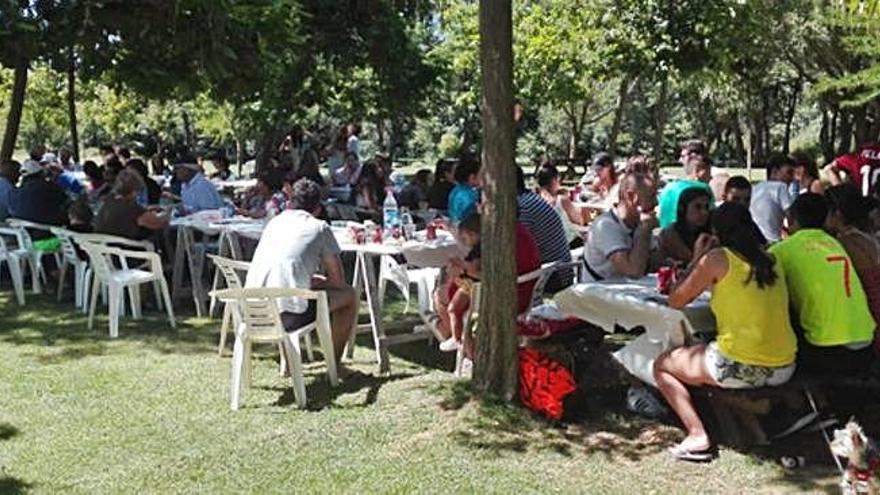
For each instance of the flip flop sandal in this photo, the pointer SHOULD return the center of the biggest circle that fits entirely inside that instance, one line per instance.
(682, 454)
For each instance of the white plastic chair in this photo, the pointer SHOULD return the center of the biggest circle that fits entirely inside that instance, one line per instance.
(121, 243)
(117, 280)
(70, 257)
(257, 320)
(230, 269)
(34, 255)
(13, 259)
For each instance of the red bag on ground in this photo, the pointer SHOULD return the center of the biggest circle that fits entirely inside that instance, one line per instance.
(543, 383)
(540, 328)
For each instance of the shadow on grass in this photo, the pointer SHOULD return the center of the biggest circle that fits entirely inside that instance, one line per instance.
(8, 431)
(321, 395)
(500, 428)
(12, 486)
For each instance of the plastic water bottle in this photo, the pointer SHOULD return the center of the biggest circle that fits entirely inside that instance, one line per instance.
(390, 211)
(407, 224)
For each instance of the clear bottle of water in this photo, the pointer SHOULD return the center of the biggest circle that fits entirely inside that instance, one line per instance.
(390, 211)
(407, 224)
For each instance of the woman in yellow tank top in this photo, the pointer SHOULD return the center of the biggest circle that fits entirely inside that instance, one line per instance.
(756, 345)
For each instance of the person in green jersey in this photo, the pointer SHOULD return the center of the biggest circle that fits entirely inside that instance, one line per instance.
(698, 169)
(831, 312)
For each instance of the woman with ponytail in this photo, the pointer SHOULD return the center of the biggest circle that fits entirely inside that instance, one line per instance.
(756, 345)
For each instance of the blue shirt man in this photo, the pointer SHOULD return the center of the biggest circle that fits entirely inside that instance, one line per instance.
(197, 192)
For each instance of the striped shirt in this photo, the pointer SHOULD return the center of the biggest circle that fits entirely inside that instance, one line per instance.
(546, 227)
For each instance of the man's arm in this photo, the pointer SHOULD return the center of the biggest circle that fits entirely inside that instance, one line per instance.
(634, 263)
(335, 276)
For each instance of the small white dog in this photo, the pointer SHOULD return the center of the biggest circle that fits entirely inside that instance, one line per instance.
(862, 473)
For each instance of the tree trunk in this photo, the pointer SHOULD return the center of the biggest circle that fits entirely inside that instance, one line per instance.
(660, 119)
(239, 155)
(844, 132)
(71, 106)
(622, 97)
(789, 115)
(860, 124)
(572, 132)
(187, 131)
(496, 369)
(380, 134)
(13, 118)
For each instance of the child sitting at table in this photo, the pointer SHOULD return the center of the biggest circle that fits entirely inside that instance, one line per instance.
(452, 302)
(464, 274)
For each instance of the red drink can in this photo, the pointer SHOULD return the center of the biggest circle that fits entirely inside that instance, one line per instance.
(431, 231)
(395, 232)
(360, 237)
(377, 236)
(665, 279)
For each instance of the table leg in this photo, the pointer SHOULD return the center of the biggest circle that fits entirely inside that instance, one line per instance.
(358, 287)
(177, 273)
(368, 272)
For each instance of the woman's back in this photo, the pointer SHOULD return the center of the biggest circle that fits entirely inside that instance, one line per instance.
(753, 322)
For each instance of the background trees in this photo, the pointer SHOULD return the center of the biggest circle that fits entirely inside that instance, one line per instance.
(626, 75)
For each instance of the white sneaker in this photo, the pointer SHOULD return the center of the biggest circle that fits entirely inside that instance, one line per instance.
(450, 345)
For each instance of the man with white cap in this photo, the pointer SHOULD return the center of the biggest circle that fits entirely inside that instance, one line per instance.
(37, 199)
(196, 191)
(64, 179)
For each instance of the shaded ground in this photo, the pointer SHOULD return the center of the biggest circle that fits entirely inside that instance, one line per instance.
(149, 412)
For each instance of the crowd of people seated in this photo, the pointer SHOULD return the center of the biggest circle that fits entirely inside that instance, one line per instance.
(801, 254)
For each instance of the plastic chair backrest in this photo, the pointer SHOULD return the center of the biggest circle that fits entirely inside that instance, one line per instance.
(99, 259)
(230, 269)
(68, 249)
(113, 240)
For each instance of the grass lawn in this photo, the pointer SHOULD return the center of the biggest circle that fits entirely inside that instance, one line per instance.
(149, 412)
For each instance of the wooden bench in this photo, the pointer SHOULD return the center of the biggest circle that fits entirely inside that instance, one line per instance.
(736, 411)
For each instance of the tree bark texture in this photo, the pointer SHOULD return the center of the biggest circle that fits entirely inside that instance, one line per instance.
(496, 369)
(13, 118)
(71, 106)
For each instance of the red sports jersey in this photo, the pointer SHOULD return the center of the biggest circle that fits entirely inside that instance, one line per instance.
(863, 167)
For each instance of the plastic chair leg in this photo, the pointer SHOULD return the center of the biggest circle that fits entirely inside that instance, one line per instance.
(167, 297)
(134, 298)
(307, 343)
(238, 369)
(296, 370)
(116, 302)
(224, 328)
(96, 287)
(78, 282)
(326, 341)
(88, 282)
(62, 274)
(14, 265)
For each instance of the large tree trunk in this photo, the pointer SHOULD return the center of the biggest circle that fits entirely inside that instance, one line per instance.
(13, 118)
(660, 119)
(71, 106)
(573, 132)
(496, 370)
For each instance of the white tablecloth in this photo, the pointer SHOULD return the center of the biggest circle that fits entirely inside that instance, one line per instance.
(637, 303)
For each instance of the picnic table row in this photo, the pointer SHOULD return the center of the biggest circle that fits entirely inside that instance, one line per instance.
(422, 261)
